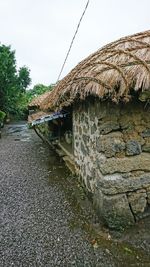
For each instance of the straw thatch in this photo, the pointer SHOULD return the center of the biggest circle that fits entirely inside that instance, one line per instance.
(36, 101)
(113, 72)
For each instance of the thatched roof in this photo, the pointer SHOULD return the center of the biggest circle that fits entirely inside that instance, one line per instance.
(113, 72)
(36, 101)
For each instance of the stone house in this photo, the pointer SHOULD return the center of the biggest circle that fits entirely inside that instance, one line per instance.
(108, 95)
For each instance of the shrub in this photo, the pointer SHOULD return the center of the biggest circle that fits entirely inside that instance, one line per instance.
(2, 116)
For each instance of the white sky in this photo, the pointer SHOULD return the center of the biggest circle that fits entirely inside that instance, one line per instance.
(41, 30)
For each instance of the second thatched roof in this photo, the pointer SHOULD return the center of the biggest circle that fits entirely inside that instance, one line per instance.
(37, 101)
(113, 72)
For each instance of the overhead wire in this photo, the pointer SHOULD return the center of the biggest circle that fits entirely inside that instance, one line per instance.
(72, 41)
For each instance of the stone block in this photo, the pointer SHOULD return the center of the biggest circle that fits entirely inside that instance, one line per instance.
(76, 144)
(146, 133)
(139, 127)
(100, 159)
(116, 184)
(84, 149)
(116, 212)
(133, 148)
(107, 127)
(85, 139)
(80, 130)
(127, 164)
(146, 146)
(85, 129)
(138, 201)
(93, 128)
(133, 135)
(125, 122)
(110, 145)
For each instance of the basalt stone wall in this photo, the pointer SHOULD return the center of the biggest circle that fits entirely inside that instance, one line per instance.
(112, 154)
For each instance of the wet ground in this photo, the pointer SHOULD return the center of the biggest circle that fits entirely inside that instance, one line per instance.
(45, 217)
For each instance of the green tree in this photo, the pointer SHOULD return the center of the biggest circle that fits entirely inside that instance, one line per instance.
(37, 90)
(12, 83)
(24, 79)
(8, 77)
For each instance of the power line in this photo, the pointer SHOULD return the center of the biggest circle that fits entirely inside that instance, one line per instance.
(73, 40)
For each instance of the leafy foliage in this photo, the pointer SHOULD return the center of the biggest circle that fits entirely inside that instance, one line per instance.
(8, 77)
(27, 96)
(2, 116)
(24, 78)
(12, 83)
(37, 90)
(14, 96)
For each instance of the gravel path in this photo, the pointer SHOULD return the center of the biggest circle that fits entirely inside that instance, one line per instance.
(35, 215)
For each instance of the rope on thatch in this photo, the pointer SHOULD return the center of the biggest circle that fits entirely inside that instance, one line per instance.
(120, 51)
(112, 72)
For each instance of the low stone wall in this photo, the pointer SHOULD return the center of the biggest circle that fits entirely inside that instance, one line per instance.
(112, 154)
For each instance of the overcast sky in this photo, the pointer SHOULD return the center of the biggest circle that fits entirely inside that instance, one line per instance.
(41, 30)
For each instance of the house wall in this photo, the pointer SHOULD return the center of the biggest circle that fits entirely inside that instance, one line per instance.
(112, 155)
